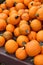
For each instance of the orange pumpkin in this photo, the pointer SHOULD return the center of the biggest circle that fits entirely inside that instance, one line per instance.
(40, 36)
(24, 29)
(35, 25)
(2, 41)
(38, 60)
(21, 40)
(21, 53)
(13, 19)
(39, 14)
(32, 35)
(9, 3)
(33, 48)
(2, 24)
(11, 46)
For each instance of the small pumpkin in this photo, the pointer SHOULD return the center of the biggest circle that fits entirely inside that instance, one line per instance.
(25, 16)
(39, 14)
(35, 25)
(2, 25)
(13, 19)
(2, 41)
(38, 60)
(32, 35)
(40, 36)
(11, 46)
(33, 48)
(21, 40)
(24, 29)
(16, 32)
(10, 28)
(21, 53)
(20, 6)
(7, 35)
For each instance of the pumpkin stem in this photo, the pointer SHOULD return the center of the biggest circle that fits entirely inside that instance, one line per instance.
(1, 34)
(37, 15)
(16, 17)
(29, 21)
(14, 4)
(32, 60)
(14, 38)
(24, 43)
(27, 31)
(32, 3)
(41, 43)
(23, 47)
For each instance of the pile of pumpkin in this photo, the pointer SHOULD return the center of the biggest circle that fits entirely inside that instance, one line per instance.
(23, 20)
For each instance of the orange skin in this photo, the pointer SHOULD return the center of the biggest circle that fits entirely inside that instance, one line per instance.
(40, 36)
(26, 10)
(16, 31)
(21, 11)
(13, 12)
(10, 28)
(39, 14)
(2, 24)
(26, 2)
(36, 25)
(31, 13)
(36, 0)
(38, 4)
(7, 35)
(3, 6)
(33, 3)
(23, 22)
(11, 46)
(38, 60)
(6, 11)
(12, 8)
(20, 6)
(21, 40)
(32, 35)
(24, 29)
(0, 10)
(13, 19)
(39, 1)
(33, 48)
(21, 53)
(25, 16)
(2, 41)
(19, 1)
(9, 3)
(3, 16)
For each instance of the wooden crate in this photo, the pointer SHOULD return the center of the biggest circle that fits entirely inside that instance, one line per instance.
(7, 59)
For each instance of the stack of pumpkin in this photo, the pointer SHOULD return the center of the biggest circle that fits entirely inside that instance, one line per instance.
(23, 20)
